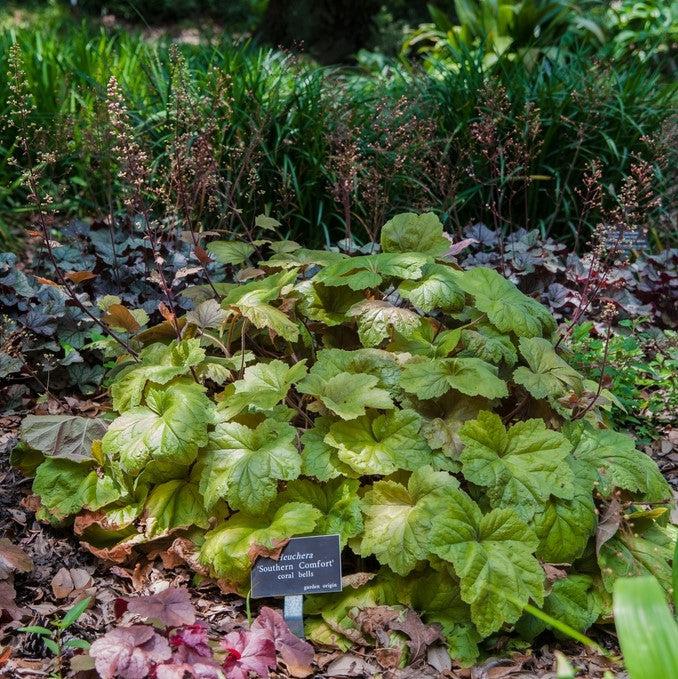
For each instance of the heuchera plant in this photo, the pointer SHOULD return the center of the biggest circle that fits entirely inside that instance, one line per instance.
(420, 411)
(173, 644)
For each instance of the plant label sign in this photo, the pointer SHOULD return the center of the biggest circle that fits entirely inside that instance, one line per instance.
(309, 565)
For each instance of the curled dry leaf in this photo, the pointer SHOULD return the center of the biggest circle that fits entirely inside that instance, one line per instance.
(8, 605)
(13, 559)
(71, 582)
(80, 276)
(171, 607)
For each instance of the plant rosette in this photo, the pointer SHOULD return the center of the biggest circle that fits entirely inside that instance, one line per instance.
(420, 411)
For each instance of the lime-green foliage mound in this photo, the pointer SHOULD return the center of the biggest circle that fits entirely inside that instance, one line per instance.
(422, 412)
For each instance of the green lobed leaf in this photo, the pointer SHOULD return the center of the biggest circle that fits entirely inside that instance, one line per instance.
(231, 548)
(337, 501)
(425, 339)
(243, 465)
(398, 519)
(508, 309)
(347, 395)
(262, 386)
(381, 444)
(174, 505)
(521, 468)
(573, 600)
(232, 252)
(158, 364)
(433, 377)
(252, 301)
(644, 548)
(613, 460)
(493, 555)
(438, 289)
(410, 232)
(65, 487)
(489, 345)
(165, 433)
(319, 459)
(325, 304)
(548, 374)
(564, 527)
(381, 364)
(376, 319)
(370, 271)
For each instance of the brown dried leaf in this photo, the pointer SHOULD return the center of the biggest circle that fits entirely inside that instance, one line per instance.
(8, 604)
(74, 581)
(80, 276)
(421, 636)
(167, 313)
(117, 316)
(608, 524)
(46, 281)
(257, 550)
(13, 558)
(349, 665)
(202, 254)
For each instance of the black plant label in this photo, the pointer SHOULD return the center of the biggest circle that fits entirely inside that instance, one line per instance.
(308, 565)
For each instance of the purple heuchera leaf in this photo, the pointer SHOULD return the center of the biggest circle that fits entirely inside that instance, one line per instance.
(181, 670)
(248, 651)
(191, 643)
(129, 652)
(171, 607)
(296, 653)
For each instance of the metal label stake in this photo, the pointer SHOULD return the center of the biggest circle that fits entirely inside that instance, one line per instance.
(293, 612)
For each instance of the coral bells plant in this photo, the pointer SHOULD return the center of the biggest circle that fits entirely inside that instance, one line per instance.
(170, 643)
(421, 411)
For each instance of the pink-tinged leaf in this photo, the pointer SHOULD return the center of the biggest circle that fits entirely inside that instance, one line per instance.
(181, 670)
(296, 653)
(191, 643)
(456, 248)
(248, 651)
(129, 652)
(171, 607)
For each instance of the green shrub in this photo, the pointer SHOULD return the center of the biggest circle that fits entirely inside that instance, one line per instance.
(420, 411)
(641, 370)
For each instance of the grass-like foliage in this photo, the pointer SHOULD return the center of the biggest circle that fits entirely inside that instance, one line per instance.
(337, 151)
(420, 411)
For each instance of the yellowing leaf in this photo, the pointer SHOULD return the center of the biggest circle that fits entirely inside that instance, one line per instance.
(347, 395)
(520, 467)
(398, 519)
(230, 549)
(243, 465)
